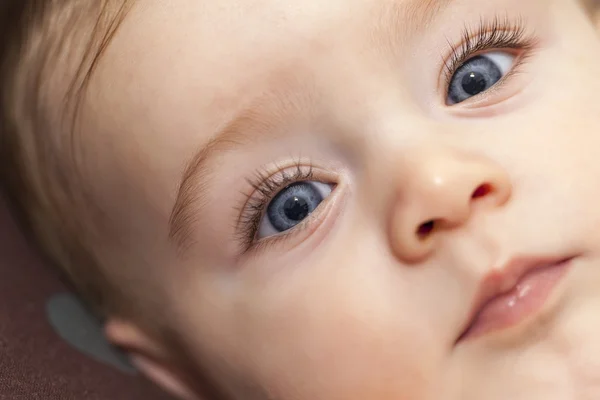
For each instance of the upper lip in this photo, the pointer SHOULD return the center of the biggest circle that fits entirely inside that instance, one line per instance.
(503, 280)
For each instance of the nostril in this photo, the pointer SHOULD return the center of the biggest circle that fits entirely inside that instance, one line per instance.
(482, 191)
(425, 229)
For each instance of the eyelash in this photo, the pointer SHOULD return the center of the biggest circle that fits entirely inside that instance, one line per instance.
(495, 34)
(266, 186)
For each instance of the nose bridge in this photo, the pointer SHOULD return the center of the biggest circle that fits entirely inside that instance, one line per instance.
(441, 190)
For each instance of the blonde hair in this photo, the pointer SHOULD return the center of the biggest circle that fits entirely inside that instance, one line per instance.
(48, 54)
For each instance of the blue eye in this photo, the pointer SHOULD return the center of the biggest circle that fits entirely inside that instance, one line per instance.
(291, 206)
(479, 74)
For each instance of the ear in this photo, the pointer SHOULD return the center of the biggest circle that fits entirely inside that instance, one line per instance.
(149, 357)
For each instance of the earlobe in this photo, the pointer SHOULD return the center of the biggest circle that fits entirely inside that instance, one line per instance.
(162, 376)
(149, 357)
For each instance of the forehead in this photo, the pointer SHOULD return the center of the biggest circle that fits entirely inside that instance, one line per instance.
(236, 37)
(189, 41)
(228, 47)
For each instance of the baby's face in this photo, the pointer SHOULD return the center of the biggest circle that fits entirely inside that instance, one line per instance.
(320, 197)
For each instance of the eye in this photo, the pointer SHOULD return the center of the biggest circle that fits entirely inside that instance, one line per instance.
(291, 206)
(478, 74)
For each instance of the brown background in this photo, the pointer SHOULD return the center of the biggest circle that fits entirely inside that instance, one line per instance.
(35, 363)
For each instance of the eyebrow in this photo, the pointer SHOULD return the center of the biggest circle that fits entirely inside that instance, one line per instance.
(195, 180)
(193, 187)
(260, 119)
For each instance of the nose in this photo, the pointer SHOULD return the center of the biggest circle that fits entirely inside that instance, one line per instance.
(441, 192)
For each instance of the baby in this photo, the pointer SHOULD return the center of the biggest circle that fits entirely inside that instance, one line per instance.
(318, 200)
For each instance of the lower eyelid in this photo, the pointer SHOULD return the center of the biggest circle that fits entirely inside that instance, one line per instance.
(257, 196)
(490, 96)
(498, 99)
(325, 190)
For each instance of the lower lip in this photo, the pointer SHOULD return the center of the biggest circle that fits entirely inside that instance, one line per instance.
(527, 298)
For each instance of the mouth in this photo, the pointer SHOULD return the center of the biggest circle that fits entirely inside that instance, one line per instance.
(511, 294)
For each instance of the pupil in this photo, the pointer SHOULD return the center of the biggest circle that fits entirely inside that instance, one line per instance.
(296, 208)
(474, 83)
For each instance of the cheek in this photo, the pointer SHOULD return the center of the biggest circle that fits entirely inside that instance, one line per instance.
(354, 315)
(556, 181)
(567, 162)
(550, 148)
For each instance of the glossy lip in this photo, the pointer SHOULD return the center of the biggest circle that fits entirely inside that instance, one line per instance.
(503, 280)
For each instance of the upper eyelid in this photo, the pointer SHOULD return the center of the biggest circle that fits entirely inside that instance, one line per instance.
(267, 184)
(307, 223)
(450, 71)
(322, 169)
(487, 35)
(304, 171)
